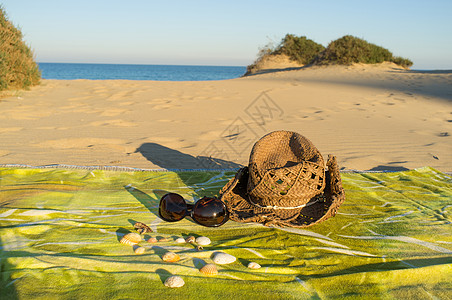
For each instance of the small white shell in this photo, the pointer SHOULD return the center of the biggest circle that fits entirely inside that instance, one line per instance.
(140, 250)
(222, 258)
(203, 241)
(174, 282)
(253, 265)
(180, 240)
(131, 239)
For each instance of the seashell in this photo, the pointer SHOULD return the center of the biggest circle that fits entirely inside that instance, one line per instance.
(203, 241)
(142, 228)
(163, 239)
(209, 269)
(140, 250)
(152, 240)
(199, 248)
(222, 258)
(190, 239)
(171, 257)
(253, 265)
(131, 239)
(174, 282)
(180, 240)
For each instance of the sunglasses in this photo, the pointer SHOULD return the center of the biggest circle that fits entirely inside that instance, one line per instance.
(210, 212)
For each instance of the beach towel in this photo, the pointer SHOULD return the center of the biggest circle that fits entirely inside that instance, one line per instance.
(60, 230)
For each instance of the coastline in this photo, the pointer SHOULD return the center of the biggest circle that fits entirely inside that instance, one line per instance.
(155, 72)
(371, 117)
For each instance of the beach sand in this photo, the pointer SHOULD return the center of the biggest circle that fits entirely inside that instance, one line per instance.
(372, 117)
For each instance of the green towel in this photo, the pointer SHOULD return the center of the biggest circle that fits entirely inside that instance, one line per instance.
(60, 232)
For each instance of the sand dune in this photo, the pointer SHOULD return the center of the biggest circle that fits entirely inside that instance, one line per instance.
(370, 117)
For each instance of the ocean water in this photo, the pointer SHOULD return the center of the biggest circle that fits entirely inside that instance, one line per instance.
(138, 72)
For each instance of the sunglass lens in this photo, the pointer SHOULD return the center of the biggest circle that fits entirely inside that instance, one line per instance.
(210, 212)
(172, 207)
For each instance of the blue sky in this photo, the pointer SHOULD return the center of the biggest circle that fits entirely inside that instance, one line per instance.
(225, 32)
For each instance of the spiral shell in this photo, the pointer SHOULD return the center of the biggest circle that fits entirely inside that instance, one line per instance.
(253, 265)
(130, 239)
(209, 269)
(142, 228)
(203, 241)
(174, 282)
(190, 239)
(222, 258)
(140, 250)
(170, 257)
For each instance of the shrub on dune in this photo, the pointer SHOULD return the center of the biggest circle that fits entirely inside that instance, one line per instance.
(296, 50)
(349, 49)
(18, 69)
(300, 49)
(343, 51)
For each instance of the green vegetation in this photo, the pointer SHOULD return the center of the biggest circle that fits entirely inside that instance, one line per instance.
(349, 49)
(299, 49)
(343, 51)
(404, 62)
(18, 69)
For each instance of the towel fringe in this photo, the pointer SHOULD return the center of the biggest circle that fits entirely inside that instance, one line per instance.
(131, 169)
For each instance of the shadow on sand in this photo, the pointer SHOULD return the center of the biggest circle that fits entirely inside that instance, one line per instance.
(171, 159)
(402, 84)
(267, 71)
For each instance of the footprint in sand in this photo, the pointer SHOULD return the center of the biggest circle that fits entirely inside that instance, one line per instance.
(113, 112)
(4, 153)
(312, 113)
(117, 122)
(126, 103)
(442, 117)
(79, 98)
(159, 104)
(173, 143)
(70, 143)
(122, 95)
(170, 121)
(210, 135)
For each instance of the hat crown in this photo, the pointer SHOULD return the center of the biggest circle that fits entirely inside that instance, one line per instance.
(285, 170)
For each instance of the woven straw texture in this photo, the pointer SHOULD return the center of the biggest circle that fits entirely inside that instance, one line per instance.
(285, 171)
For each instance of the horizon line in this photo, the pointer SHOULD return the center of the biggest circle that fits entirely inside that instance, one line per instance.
(140, 64)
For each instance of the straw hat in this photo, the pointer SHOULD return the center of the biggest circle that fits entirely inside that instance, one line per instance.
(285, 184)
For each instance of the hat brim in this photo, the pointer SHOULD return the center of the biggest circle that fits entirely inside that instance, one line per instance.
(319, 208)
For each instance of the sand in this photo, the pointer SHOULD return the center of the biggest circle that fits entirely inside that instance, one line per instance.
(371, 117)
(273, 63)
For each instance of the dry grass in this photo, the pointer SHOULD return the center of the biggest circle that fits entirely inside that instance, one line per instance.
(18, 70)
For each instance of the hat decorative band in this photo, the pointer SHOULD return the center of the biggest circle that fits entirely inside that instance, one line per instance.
(282, 207)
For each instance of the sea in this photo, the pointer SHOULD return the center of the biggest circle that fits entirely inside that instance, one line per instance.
(139, 72)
